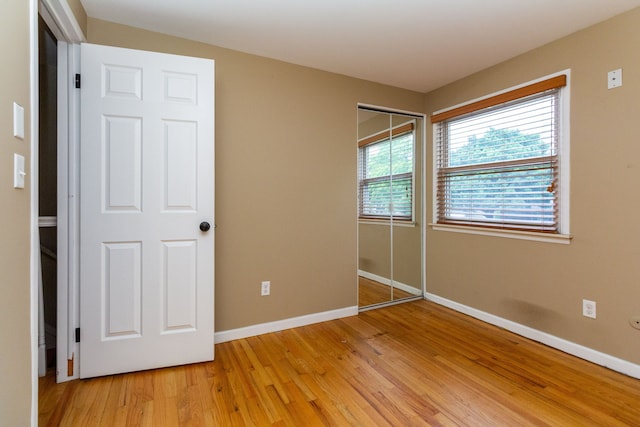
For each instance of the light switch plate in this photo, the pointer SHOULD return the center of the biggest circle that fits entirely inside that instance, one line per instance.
(614, 78)
(18, 171)
(18, 121)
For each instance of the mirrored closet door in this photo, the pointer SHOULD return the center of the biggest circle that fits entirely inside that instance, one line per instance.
(390, 208)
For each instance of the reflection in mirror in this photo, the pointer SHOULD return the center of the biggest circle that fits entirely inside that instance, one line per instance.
(389, 207)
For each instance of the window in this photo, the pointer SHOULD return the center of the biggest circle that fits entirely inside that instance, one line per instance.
(497, 160)
(385, 167)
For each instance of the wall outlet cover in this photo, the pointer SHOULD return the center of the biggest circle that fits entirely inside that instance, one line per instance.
(265, 288)
(614, 78)
(589, 308)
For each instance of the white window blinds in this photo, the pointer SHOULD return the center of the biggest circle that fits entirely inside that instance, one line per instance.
(497, 161)
(386, 174)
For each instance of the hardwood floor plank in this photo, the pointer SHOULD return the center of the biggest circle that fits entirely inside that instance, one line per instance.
(412, 364)
(467, 363)
(371, 292)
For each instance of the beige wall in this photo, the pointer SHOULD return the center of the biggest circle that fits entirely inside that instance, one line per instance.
(541, 284)
(15, 350)
(79, 13)
(285, 178)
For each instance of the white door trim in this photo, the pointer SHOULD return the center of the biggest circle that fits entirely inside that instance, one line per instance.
(58, 16)
(61, 20)
(68, 210)
(34, 237)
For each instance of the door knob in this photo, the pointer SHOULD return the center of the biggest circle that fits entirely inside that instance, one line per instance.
(204, 226)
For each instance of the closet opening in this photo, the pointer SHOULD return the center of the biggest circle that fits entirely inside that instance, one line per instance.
(47, 194)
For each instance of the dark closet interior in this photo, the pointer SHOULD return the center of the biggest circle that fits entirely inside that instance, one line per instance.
(47, 182)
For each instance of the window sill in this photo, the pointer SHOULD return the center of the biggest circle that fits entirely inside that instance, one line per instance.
(396, 223)
(510, 234)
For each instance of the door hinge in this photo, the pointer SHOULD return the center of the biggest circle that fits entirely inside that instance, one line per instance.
(77, 334)
(77, 81)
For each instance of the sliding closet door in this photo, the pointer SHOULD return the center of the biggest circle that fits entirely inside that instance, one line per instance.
(374, 232)
(406, 214)
(389, 207)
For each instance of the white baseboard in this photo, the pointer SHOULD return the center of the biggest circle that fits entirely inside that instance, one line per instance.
(279, 325)
(586, 353)
(402, 286)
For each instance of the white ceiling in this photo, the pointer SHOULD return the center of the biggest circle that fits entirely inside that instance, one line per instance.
(414, 44)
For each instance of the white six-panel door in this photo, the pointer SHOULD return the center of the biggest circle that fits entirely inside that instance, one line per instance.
(147, 184)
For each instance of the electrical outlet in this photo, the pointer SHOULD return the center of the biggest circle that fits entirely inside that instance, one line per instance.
(614, 78)
(635, 322)
(589, 308)
(265, 288)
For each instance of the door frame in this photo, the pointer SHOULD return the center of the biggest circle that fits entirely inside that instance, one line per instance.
(60, 19)
(68, 300)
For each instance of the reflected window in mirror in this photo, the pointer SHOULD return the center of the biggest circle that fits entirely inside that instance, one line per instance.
(386, 174)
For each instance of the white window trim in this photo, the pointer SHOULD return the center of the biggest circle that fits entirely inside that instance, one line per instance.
(396, 222)
(511, 234)
(564, 197)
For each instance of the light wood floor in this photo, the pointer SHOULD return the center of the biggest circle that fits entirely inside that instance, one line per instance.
(371, 292)
(410, 364)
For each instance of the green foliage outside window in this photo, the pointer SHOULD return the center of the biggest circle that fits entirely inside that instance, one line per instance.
(516, 194)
